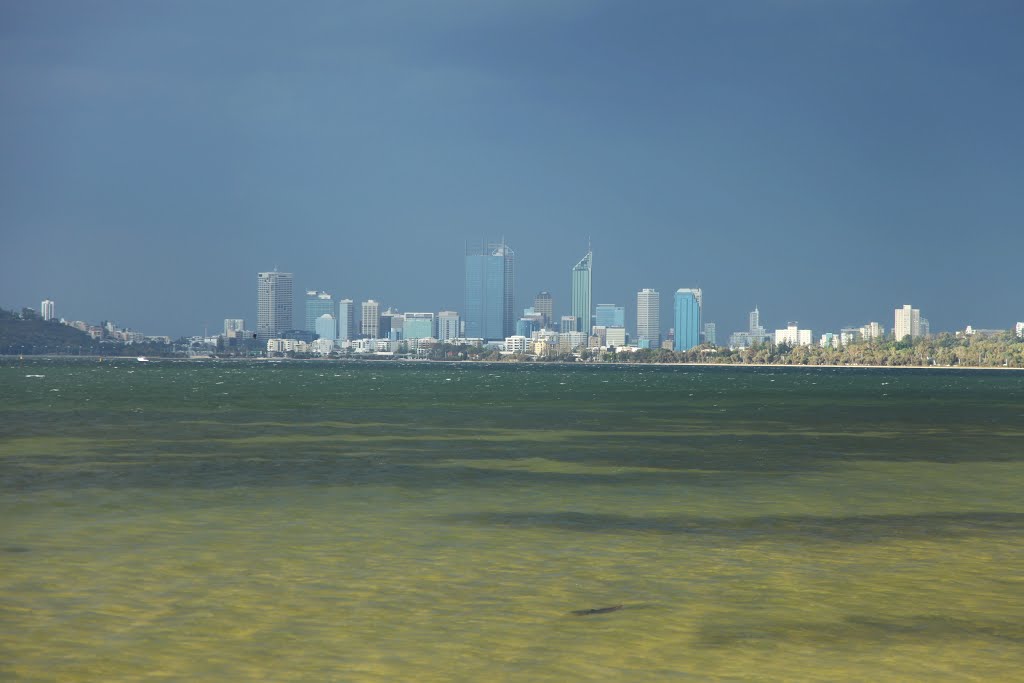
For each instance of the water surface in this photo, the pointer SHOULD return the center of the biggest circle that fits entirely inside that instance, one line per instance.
(385, 521)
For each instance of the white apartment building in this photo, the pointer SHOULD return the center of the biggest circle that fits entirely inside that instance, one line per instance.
(516, 344)
(872, 331)
(793, 336)
(907, 323)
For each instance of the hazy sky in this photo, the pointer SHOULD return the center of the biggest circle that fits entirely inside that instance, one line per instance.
(825, 160)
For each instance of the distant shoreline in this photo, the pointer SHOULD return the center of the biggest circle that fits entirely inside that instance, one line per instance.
(499, 362)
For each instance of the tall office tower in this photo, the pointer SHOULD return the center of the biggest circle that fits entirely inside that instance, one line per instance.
(46, 310)
(925, 328)
(346, 319)
(687, 318)
(326, 327)
(274, 307)
(908, 323)
(233, 327)
(582, 286)
(369, 323)
(610, 315)
(755, 320)
(569, 323)
(317, 303)
(544, 304)
(490, 284)
(710, 336)
(447, 325)
(419, 326)
(648, 316)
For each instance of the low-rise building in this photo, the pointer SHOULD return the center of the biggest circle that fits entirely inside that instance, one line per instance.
(516, 344)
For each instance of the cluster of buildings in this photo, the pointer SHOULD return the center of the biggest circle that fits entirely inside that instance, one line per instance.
(489, 316)
(107, 330)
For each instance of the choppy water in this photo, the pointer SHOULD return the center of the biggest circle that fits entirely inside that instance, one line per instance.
(386, 522)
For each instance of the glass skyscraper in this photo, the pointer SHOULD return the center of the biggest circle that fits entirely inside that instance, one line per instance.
(581, 291)
(274, 305)
(317, 304)
(687, 319)
(490, 283)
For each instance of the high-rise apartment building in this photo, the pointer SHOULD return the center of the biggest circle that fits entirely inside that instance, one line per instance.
(648, 317)
(582, 287)
(794, 336)
(490, 287)
(317, 303)
(610, 315)
(346, 320)
(274, 305)
(46, 310)
(448, 325)
(544, 304)
(907, 323)
(369, 322)
(687, 307)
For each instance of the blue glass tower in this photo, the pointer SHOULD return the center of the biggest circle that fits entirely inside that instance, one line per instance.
(582, 284)
(687, 319)
(490, 281)
(317, 304)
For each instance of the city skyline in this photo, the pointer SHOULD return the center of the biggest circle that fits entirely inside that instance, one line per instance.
(865, 164)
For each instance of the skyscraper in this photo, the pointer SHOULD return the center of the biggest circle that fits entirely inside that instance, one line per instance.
(687, 318)
(346, 319)
(274, 305)
(317, 303)
(490, 284)
(544, 304)
(648, 316)
(46, 310)
(907, 323)
(370, 320)
(581, 292)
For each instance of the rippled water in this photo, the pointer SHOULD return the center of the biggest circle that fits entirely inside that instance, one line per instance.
(384, 522)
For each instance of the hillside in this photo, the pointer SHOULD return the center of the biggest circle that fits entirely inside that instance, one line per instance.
(34, 335)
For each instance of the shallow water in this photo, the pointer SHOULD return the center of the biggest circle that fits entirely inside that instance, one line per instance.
(384, 521)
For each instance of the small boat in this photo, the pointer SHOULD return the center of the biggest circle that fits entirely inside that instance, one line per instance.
(142, 359)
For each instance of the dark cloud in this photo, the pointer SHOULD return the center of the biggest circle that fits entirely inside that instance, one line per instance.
(825, 162)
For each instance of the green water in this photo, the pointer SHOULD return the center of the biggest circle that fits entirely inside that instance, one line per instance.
(387, 522)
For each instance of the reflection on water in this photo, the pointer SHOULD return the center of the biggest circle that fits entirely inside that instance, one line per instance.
(331, 521)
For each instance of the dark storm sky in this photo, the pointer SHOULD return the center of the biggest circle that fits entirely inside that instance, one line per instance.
(827, 161)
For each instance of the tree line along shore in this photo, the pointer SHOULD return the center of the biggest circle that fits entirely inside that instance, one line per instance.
(19, 337)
